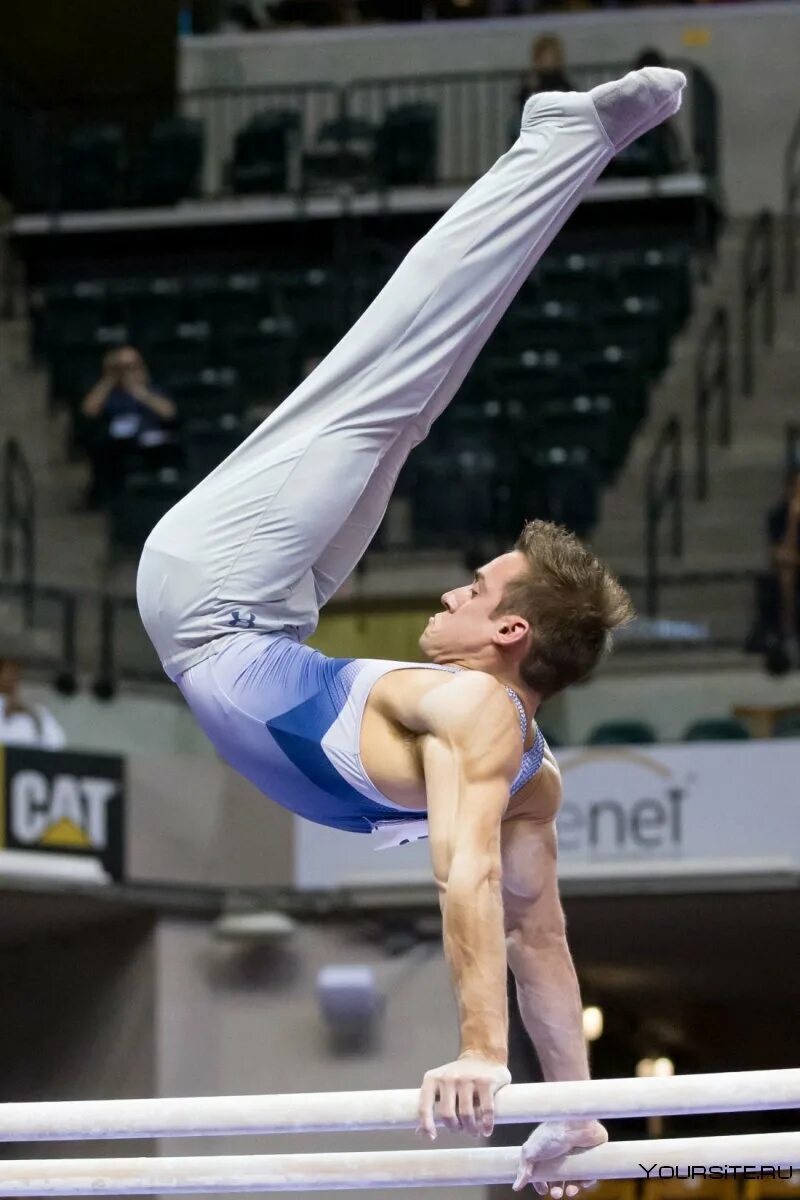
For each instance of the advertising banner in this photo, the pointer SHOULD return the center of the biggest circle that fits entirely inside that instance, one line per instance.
(629, 813)
(62, 803)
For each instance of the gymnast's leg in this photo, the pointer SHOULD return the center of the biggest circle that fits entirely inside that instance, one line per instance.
(272, 532)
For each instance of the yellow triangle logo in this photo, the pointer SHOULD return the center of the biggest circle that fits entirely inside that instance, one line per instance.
(66, 833)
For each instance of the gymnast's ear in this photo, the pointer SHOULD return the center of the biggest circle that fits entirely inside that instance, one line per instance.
(511, 629)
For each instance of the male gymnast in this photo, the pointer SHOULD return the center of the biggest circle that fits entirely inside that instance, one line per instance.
(232, 579)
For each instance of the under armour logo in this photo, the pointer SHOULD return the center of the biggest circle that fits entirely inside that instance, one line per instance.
(242, 620)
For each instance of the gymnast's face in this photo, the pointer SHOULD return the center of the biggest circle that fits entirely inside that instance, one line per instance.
(466, 628)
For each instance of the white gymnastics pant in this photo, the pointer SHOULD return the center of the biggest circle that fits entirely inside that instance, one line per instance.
(270, 535)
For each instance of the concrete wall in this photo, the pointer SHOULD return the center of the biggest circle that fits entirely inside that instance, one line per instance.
(750, 52)
(234, 1021)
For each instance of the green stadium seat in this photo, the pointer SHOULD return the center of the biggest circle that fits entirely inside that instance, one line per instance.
(788, 726)
(261, 152)
(91, 168)
(532, 376)
(154, 306)
(406, 146)
(622, 733)
(578, 279)
(550, 326)
(173, 157)
(661, 274)
(206, 398)
(637, 326)
(204, 449)
(179, 349)
(343, 153)
(141, 503)
(239, 300)
(263, 352)
(311, 299)
(716, 729)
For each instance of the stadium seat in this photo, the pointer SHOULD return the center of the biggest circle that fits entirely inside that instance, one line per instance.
(788, 726)
(532, 376)
(343, 153)
(551, 326)
(406, 145)
(204, 449)
(92, 163)
(153, 306)
(637, 326)
(206, 398)
(263, 351)
(660, 274)
(178, 349)
(262, 150)
(657, 152)
(578, 279)
(170, 167)
(311, 299)
(716, 729)
(622, 733)
(71, 313)
(568, 475)
(141, 503)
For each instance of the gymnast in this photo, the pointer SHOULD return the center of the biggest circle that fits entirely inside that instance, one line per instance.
(232, 579)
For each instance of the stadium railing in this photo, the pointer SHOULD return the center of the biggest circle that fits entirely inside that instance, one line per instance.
(663, 497)
(432, 130)
(713, 387)
(791, 186)
(19, 525)
(757, 288)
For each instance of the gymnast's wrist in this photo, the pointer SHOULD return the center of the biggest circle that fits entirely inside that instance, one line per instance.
(496, 1054)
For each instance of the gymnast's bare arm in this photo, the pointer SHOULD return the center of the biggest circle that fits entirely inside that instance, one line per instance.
(471, 747)
(538, 954)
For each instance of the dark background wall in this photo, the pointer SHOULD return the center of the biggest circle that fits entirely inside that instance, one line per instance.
(59, 53)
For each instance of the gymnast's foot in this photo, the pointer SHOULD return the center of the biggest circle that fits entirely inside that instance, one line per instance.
(642, 99)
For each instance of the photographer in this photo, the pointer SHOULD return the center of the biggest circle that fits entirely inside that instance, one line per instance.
(127, 419)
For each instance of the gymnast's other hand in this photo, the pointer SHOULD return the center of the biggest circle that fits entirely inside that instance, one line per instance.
(552, 1140)
(462, 1095)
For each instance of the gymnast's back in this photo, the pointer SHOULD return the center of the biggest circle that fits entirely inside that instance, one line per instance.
(293, 722)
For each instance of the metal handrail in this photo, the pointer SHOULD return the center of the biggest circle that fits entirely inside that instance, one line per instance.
(758, 286)
(19, 525)
(713, 386)
(791, 198)
(476, 117)
(663, 494)
(792, 448)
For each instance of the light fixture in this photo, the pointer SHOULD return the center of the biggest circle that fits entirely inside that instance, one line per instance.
(647, 1067)
(258, 926)
(592, 1023)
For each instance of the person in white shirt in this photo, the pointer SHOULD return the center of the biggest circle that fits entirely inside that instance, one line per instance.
(23, 724)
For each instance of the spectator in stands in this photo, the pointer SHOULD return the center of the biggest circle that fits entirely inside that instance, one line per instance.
(547, 71)
(128, 418)
(776, 629)
(21, 723)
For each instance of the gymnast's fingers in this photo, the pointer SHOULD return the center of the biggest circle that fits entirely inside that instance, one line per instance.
(446, 1108)
(467, 1108)
(486, 1097)
(427, 1099)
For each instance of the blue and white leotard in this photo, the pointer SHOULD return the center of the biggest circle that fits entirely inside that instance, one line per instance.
(289, 719)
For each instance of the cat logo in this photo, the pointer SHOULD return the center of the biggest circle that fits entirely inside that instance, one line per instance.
(67, 812)
(63, 803)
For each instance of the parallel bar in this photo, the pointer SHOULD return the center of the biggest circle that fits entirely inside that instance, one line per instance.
(209, 1116)
(394, 1168)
